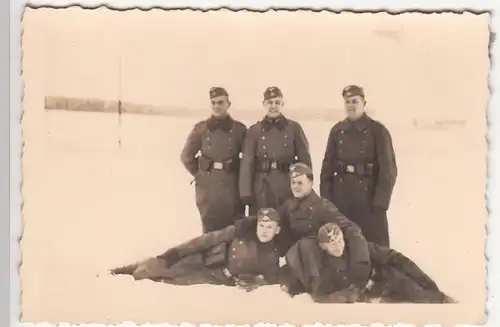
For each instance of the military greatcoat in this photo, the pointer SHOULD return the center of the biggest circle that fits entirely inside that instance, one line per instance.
(271, 147)
(211, 155)
(302, 218)
(221, 257)
(358, 174)
(329, 279)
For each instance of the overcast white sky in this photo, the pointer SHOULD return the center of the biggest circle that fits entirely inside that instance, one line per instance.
(413, 64)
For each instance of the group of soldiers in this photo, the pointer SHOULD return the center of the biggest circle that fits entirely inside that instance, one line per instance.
(333, 246)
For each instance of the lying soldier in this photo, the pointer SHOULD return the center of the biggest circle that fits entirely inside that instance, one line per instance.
(243, 254)
(324, 275)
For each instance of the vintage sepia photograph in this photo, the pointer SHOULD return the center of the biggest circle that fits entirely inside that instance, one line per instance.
(227, 167)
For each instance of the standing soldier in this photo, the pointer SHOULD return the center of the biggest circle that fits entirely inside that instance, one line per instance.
(359, 168)
(271, 146)
(211, 155)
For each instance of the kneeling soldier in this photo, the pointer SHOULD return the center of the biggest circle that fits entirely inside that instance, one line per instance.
(242, 254)
(325, 274)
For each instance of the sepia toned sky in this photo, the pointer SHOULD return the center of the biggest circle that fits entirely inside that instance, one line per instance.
(428, 65)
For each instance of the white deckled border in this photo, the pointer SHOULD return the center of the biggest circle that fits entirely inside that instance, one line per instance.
(359, 5)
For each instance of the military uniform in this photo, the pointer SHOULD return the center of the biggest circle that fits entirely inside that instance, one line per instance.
(331, 279)
(229, 257)
(271, 146)
(211, 155)
(359, 172)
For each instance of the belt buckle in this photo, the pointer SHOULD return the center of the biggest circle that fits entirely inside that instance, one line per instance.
(350, 168)
(218, 165)
(274, 165)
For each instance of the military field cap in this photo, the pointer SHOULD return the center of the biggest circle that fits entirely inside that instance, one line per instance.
(327, 232)
(268, 214)
(272, 92)
(217, 92)
(299, 169)
(353, 90)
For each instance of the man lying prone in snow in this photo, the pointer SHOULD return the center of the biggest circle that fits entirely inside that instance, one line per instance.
(243, 254)
(320, 266)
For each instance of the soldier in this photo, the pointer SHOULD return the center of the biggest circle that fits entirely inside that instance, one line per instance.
(212, 155)
(270, 147)
(325, 274)
(359, 168)
(243, 254)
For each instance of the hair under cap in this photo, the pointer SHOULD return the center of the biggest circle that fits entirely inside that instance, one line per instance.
(272, 92)
(353, 90)
(217, 92)
(299, 169)
(268, 214)
(327, 231)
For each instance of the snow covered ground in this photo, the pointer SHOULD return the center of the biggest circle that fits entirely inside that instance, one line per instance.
(90, 206)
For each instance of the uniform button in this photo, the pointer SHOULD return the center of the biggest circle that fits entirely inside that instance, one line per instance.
(230, 139)
(263, 129)
(365, 131)
(208, 138)
(234, 249)
(366, 188)
(340, 180)
(263, 137)
(230, 131)
(363, 141)
(360, 181)
(263, 146)
(335, 174)
(340, 141)
(286, 136)
(240, 242)
(362, 151)
(286, 145)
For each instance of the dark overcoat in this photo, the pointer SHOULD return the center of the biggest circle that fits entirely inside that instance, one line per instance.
(270, 148)
(358, 174)
(211, 155)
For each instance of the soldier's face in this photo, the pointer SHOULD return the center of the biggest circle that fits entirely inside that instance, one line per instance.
(354, 106)
(267, 230)
(301, 186)
(273, 106)
(336, 245)
(220, 105)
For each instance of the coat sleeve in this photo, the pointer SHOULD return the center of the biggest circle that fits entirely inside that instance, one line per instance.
(205, 241)
(247, 165)
(190, 149)
(284, 240)
(387, 169)
(327, 169)
(302, 146)
(384, 256)
(356, 244)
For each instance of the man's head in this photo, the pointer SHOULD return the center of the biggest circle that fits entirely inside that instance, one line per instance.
(219, 99)
(331, 239)
(301, 180)
(273, 101)
(268, 226)
(354, 101)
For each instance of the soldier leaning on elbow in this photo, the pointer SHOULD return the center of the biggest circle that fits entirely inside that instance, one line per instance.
(327, 273)
(211, 155)
(243, 255)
